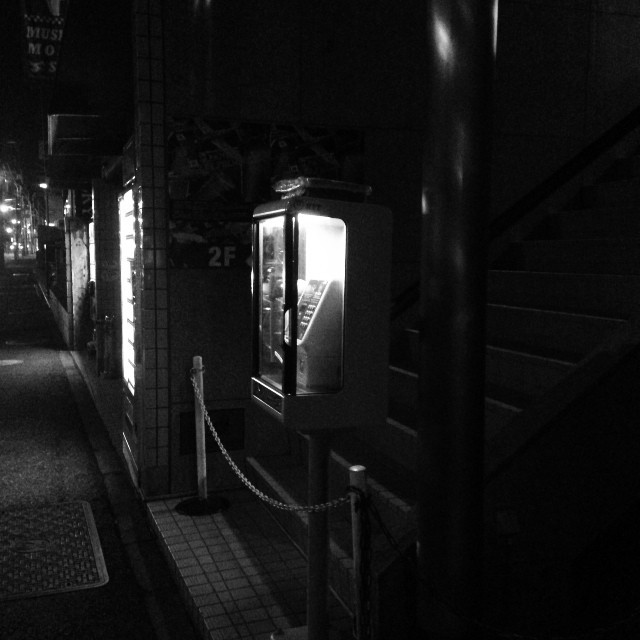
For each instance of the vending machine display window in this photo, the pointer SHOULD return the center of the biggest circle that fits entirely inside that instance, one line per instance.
(127, 287)
(313, 317)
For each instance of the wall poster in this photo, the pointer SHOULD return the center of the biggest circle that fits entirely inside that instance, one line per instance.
(219, 170)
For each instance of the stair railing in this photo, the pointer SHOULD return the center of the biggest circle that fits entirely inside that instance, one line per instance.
(501, 228)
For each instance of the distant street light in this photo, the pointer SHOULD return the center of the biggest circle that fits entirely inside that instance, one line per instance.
(45, 185)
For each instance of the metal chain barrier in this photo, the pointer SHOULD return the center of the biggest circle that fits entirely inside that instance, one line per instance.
(265, 498)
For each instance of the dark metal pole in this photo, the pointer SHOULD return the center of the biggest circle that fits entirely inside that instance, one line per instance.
(318, 541)
(455, 207)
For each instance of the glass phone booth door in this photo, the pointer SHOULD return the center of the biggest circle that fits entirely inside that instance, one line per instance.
(308, 313)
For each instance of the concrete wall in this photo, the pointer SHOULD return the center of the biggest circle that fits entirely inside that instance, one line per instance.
(62, 319)
(210, 318)
(565, 72)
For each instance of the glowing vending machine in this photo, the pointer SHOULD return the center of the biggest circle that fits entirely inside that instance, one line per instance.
(321, 263)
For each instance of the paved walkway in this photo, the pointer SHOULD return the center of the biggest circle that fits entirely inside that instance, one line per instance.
(53, 451)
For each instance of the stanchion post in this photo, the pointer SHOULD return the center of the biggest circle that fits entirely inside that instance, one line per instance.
(318, 541)
(358, 480)
(203, 504)
(201, 451)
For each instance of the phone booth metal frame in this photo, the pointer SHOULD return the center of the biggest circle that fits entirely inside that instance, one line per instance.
(353, 392)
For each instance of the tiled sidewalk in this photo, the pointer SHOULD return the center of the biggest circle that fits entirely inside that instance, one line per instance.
(240, 576)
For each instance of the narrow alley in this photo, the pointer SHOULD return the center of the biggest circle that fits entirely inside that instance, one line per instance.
(56, 464)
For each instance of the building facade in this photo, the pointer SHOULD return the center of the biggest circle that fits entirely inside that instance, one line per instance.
(208, 103)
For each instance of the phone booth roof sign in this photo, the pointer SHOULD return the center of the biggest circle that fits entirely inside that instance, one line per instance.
(322, 188)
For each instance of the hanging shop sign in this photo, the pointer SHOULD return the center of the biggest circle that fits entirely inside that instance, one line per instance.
(43, 29)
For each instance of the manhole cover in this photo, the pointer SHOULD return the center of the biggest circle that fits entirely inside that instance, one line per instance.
(49, 549)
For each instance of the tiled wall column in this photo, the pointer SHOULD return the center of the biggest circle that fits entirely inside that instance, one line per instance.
(150, 183)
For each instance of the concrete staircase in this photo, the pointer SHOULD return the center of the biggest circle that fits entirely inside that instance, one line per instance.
(19, 308)
(564, 470)
(554, 300)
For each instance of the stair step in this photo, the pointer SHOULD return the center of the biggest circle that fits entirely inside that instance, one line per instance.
(610, 222)
(405, 352)
(286, 482)
(607, 295)
(402, 438)
(548, 333)
(622, 169)
(399, 441)
(524, 373)
(501, 405)
(625, 191)
(403, 395)
(605, 256)
(497, 415)
(554, 334)
(527, 374)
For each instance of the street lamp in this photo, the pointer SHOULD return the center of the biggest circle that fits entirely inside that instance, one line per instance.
(45, 185)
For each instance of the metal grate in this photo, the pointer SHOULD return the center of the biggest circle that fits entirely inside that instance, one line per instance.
(49, 549)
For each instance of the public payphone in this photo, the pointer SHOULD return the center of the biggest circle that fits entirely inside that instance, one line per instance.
(321, 262)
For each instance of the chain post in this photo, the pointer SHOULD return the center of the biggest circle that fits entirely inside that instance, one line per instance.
(318, 538)
(360, 546)
(201, 451)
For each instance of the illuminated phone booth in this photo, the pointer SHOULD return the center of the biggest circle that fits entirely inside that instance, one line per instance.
(321, 263)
